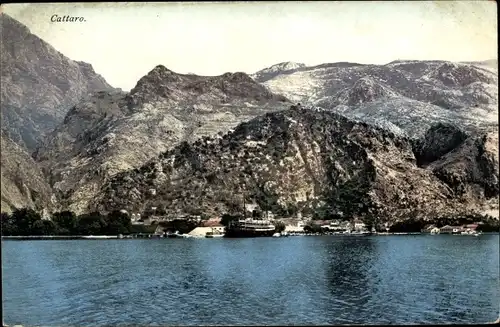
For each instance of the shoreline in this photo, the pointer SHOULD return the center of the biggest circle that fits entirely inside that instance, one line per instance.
(61, 237)
(152, 236)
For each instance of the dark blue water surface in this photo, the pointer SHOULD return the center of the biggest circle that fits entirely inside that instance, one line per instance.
(265, 281)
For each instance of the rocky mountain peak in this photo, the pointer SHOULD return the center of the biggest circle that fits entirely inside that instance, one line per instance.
(160, 72)
(158, 75)
(162, 84)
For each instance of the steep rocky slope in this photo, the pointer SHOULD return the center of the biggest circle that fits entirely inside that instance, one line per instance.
(39, 84)
(304, 160)
(110, 132)
(411, 95)
(23, 184)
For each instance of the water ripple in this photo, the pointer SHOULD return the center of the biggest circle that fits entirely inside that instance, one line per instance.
(290, 281)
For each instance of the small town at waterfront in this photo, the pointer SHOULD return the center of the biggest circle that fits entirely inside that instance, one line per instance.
(28, 224)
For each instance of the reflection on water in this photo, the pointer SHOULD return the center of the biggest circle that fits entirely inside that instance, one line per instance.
(266, 281)
(350, 277)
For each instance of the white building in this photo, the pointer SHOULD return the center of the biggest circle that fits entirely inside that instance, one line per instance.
(297, 227)
(337, 225)
(359, 225)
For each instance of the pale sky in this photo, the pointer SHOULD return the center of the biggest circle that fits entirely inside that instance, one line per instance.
(124, 41)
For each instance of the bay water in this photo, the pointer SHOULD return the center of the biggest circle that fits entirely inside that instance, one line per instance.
(301, 280)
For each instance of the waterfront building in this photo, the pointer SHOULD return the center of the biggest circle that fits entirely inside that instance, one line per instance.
(295, 226)
(359, 225)
(337, 225)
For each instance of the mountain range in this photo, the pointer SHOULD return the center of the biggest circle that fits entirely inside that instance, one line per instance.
(112, 132)
(307, 160)
(410, 138)
(406, 96)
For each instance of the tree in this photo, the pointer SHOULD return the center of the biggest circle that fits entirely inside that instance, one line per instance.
(91, 224)
(488, 227)
(321, 213)
(312, 228)
(43, 227)
(9, 225)
(279, 226)
(24, 219)
(118, 223)
(66, 221)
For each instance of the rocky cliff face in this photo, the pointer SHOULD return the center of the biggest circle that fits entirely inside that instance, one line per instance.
(408, 95)
(23, 183)
(110, 132)
(306, 160)
(471, 167)
(39, 84)
(439, 140)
